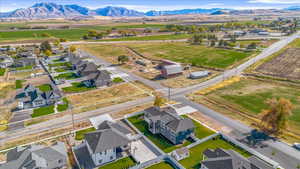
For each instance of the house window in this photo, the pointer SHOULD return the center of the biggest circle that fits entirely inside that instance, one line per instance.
(111, 157)
(100, 161)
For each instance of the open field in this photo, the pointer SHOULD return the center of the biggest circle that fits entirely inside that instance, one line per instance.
(196, 153)
(107, 52)
(286, 65)
(249, 97)
(97, 98)
(152, 37)
(197, 55)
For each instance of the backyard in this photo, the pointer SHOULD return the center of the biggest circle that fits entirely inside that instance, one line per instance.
(196, 153)
(123, 163)
(45, 87)
(197, 55)
(67, 76)
(79, 135)
(77, 87)
(162, 165)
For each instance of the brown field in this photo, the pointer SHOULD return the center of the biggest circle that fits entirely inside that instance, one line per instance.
(98, 98)
(285, 65)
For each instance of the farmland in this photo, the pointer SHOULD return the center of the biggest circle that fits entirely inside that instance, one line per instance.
(197, 55)
(286, 65)
(249, 96)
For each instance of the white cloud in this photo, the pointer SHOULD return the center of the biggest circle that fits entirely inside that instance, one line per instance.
(275, 1)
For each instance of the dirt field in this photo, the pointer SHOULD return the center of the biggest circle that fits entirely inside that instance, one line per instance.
(285, 65)
(98, 98)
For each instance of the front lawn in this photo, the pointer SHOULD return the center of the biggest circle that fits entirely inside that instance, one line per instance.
(67, 76)
(76, 88)
(79, 135)
(123, 163)
(19, 84)
(162, 165)
(2, 71)
(197, 55)
(63, 107)
(45, 87)
(58, 64)
(42, 111)
(157, 139)
(200, 130)
(24, 68)
(196, 153)
(61, 69)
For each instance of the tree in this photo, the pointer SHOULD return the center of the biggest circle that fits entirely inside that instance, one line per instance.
(213, 43)
(45, 46)
(159, 100)
(252, 46)
(275, 118)
(48, 53)
(196, 39)
(123, 58)
(56, 43)
(73, 49)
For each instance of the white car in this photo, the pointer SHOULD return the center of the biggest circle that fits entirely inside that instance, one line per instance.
(297, 146)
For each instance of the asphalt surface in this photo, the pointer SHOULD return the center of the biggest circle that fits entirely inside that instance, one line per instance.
(288, 157)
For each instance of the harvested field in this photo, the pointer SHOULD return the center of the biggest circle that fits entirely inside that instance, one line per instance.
(285, 65)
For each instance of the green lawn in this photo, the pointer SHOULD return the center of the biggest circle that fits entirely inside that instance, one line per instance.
(24, 68)
(2, 71)
(67, 76)
(123, 163)
(162, 165)
(157, 139)
(117, 80)
(153, 37)
(45, 87)
(66, 64)
(200, 130)
(42, 111)
(19, 84)
(196, 55)
(250, 96)
(79, 135)
(61, 69)
(77, 87)
(196, 153)
(63, 107)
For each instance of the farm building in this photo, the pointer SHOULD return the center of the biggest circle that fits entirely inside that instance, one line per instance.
(171, 71)
(199, 74)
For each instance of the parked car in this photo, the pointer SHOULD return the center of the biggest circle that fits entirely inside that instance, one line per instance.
(297, 146)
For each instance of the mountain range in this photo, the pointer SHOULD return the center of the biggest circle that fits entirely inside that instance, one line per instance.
(53, 10)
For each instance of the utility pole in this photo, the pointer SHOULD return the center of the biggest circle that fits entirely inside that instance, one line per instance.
(169, 93)
(73, 123)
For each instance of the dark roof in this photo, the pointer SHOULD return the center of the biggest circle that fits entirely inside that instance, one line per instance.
(229, 159)
(99, 75)
(170, 118)
(106, 139)
(117, 126)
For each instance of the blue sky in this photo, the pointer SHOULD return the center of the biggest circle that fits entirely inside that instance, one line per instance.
(144, 5)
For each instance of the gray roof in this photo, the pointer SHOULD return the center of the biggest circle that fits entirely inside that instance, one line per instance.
(117, 126)
(25, 157)
(99, 75)
(170, 118)
(106, 139)
(173, 69)
(229, 159)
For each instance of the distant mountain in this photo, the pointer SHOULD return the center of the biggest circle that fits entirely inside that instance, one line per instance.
(117, 12)
(293, 8)
(183, 12)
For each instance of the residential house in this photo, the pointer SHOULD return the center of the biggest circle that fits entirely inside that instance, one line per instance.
(181, 153)
(22, 62)
(229, 159)
(104, 145)
(6, 61)
(98, 79)
(37, 157)
(32, 97)
(86, 69)
(167, 122)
